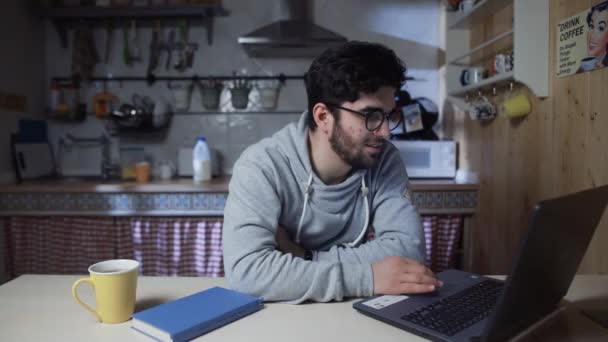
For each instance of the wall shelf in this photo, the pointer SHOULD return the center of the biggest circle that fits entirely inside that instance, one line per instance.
(530, 32)
(489, 82)
(64, 17)
(482, 9)
(479, 47)
(133, 12)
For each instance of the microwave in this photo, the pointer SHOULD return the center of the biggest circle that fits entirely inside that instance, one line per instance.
(428, 158)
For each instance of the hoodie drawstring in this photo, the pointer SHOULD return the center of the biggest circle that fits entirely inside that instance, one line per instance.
(364, 191)
(307, 190)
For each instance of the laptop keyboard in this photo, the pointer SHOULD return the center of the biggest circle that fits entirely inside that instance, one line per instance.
(460, 310)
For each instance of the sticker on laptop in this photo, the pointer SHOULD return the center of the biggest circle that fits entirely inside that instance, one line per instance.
(384, 301)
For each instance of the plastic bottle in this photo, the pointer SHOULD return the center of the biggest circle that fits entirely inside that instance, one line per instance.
(201, 161)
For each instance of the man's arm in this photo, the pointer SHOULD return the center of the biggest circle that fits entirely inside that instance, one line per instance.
(396, 221)
(251, 260)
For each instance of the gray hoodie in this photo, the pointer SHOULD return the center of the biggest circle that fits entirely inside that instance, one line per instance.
(268, 190)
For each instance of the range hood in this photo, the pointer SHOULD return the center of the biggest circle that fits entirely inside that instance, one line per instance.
(293, 35)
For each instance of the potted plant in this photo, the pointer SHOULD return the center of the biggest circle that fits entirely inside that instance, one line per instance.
(240, 87)
(210, 90)
(269, 93)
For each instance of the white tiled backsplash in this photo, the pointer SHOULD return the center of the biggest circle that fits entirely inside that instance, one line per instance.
(229, 134)
(401, 25)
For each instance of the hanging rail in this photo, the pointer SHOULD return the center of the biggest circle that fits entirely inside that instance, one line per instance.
(151, 79)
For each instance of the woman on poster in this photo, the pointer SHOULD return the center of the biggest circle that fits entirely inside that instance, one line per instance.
(597, 38)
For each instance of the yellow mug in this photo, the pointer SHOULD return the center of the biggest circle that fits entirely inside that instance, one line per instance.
(515, 106)
(114, 283)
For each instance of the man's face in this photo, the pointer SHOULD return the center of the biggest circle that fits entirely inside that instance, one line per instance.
(351, 140)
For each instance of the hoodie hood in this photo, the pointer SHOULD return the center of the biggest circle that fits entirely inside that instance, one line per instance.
(334, 198)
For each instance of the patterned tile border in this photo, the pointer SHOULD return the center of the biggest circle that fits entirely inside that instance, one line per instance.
(156, 204)
(189, 204)
(445, 201)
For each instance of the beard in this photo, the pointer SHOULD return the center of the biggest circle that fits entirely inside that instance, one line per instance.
(353, 152)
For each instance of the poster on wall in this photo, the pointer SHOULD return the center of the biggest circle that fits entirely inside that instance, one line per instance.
(582, 41)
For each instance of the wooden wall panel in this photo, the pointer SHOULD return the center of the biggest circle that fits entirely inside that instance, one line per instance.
(561, 147)
(596, 165)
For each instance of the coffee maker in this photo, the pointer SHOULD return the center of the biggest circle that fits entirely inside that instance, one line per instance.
(419, 115)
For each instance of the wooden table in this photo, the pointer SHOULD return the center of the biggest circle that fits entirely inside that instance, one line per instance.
(41, 308)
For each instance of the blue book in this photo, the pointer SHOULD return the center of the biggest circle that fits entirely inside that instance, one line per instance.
(189, 317)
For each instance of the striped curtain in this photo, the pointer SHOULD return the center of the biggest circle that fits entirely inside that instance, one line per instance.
(182, 246)
(165, 246)
(57, 244)
(173, 246)
(443, 235)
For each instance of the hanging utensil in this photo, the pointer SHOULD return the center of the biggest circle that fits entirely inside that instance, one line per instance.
(109, 41)
(155, 47)
(134, 42)
(170, 48)
(190, 48)
(127, 116)
(137, 100)
(126, 54)
(180, 63)
(148, 104)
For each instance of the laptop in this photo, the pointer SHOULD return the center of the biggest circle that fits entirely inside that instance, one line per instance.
(471, 307)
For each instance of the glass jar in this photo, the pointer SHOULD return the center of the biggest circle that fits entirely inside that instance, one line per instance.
(129, 156)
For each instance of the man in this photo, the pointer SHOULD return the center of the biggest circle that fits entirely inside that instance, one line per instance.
(300, 203)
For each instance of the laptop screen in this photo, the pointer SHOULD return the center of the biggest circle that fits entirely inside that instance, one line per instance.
(549, 256)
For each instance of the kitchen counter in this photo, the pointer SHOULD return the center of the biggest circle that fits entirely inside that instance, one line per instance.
(182, 197)
(219, 184)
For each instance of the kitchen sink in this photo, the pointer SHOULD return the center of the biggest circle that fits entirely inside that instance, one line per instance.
(87, 179)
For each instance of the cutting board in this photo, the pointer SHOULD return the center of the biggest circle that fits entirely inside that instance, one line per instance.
(33, 159)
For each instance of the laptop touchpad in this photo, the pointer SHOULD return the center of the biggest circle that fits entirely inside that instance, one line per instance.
(446, 288)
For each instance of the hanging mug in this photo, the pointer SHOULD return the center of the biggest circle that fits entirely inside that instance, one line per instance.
(482, 109)
(466, 5)
(472, 75)
(464, 77)
(166, 170)
(516, 106)
(502, 63)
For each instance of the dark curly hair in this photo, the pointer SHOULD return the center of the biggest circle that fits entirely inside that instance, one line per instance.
(340, 74)
(599, 7)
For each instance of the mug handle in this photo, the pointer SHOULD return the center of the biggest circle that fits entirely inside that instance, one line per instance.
(75, 295)
(464, 77)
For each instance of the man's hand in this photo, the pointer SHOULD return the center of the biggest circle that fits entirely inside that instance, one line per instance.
(397, 275)
(286, 245)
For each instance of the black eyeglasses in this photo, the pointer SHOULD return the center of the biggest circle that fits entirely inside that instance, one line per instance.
(375, 118)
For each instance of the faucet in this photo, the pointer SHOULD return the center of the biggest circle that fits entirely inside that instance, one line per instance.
(108, 170)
